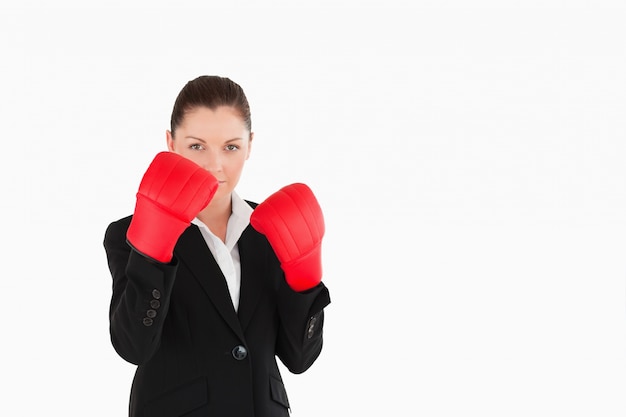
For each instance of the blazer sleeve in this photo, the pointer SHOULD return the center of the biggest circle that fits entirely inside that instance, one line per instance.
(302, 320)
(140, 297)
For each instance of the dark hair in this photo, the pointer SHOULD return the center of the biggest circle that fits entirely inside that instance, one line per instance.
(210, 91)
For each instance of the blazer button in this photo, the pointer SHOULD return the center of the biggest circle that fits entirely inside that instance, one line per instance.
(151, 314)
(239, 353)
(155, 304)
(147, 321)
(156, 294)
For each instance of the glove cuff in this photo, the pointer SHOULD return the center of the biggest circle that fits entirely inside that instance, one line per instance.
(304, 272)
(153, 230)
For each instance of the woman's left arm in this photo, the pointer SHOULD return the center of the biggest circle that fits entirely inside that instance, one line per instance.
(300, 336)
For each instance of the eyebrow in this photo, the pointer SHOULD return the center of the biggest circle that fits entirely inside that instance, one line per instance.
(203, 141)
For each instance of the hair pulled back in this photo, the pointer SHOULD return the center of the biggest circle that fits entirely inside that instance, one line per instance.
(210, 91)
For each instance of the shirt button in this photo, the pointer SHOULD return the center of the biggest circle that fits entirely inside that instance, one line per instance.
(151, 314)
(239, 353)
(156, 294)
(147, 321)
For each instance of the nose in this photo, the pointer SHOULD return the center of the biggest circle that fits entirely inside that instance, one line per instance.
(213, 162)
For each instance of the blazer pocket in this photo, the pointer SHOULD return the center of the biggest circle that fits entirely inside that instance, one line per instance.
(179, 401)
(279, 394)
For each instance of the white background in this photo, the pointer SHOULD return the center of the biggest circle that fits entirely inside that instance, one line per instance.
(469, 157)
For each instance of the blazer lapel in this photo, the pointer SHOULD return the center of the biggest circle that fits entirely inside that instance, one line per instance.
(253, 256)
(191, 249)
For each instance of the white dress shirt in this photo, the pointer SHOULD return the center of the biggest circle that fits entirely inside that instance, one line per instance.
(227, 253)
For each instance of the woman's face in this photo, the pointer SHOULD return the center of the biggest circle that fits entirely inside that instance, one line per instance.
(217, 140)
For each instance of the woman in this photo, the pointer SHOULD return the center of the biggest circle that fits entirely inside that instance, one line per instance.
(208, 289)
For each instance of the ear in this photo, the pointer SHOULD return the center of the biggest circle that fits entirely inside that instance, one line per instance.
(170, 141)
(250, 144)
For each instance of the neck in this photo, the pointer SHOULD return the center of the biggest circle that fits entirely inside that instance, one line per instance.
(217, 211)
(215, 216)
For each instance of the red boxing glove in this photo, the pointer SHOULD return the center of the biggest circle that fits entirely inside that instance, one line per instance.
(293, 223)
(172, 192)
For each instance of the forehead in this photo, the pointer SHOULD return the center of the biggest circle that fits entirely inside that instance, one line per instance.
(216, 112)
(203, 121)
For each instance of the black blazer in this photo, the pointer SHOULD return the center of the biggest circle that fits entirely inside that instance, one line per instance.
(196, 356)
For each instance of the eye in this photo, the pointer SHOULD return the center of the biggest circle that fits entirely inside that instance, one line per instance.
(232, 147)
(196, 147)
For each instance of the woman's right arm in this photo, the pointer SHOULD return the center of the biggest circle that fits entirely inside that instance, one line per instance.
(139, 249)
(140, 299)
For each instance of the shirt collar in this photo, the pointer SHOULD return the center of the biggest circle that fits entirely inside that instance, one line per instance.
(237, 222)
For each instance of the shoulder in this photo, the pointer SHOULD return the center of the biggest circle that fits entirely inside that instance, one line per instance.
(251, 203)
(124, 221)
(118, 228)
